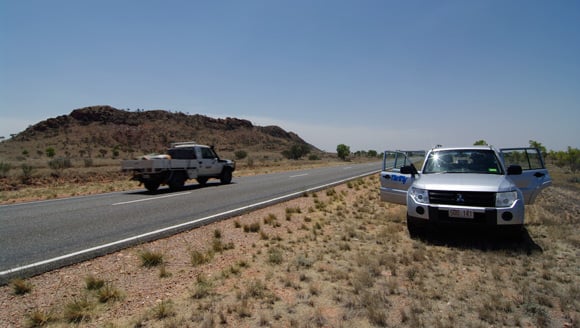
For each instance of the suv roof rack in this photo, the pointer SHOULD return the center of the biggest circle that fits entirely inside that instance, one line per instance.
(183, 144)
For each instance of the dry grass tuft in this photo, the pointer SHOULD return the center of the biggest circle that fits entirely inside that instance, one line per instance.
(39, 318)
(78, 310)
(20, 286)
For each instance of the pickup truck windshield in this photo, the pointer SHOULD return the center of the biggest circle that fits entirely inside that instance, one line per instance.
(462, 161)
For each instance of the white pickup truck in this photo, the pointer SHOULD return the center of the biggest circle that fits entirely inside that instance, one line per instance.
(476, 186)
(183, 161)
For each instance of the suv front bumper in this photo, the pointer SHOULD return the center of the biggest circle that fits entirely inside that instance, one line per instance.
(485, 216)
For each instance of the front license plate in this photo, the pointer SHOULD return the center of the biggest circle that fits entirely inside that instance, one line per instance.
(460, 213)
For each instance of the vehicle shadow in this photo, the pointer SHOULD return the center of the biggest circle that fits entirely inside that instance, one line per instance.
(485, 240)
(165, 190)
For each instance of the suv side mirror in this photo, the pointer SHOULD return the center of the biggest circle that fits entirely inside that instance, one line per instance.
(514, 170)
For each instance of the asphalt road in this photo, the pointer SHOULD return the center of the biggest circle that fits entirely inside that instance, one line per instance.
(41, 236)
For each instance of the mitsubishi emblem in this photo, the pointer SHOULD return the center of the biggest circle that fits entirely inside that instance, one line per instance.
(460, 198)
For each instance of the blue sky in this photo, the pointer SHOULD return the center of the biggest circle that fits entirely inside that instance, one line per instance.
(370, 74)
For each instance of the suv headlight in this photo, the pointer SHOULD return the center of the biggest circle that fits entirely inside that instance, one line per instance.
(505, 199)
(420, 196)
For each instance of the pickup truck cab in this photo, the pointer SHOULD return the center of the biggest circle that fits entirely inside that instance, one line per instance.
(475, 186)
(183, 161)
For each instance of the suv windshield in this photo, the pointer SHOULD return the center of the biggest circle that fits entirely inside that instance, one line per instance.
(463, 161)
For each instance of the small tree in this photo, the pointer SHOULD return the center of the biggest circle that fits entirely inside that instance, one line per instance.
(536, 144)
(480, 143)
(343, 151)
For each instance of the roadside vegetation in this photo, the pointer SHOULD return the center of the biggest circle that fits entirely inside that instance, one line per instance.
(336, 258)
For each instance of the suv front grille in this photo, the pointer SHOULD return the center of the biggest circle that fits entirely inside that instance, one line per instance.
(466, 198)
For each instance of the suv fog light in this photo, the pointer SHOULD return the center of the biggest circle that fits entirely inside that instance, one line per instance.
(420, 210)
(507, 216)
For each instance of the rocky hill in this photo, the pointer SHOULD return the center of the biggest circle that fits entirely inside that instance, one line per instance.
(104, 131)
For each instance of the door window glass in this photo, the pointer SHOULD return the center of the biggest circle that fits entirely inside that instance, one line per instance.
(528, 158)
(207, 153)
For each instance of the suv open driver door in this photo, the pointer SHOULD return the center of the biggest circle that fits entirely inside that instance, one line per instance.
(394, 183)
(534, 177)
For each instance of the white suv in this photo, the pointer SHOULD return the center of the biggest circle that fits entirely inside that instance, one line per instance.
(475, 185)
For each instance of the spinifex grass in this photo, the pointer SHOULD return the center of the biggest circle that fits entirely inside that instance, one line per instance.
(150, 258)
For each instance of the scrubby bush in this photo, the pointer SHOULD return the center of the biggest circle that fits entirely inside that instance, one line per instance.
(60, 163)
(297, 151)
(4, 169)
(241, 154)
(26, 172)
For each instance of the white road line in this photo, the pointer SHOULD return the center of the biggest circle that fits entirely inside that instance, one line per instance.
(298, 175)
(119, 242)
(152, 198)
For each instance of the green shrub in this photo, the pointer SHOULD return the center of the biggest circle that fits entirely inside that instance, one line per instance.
(241, 154)
(50, 152)
(296, 151)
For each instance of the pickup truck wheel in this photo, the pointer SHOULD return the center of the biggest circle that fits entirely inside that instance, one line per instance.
(226, 176)
(152, 186)
(177, 181)
(202, 180)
